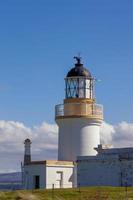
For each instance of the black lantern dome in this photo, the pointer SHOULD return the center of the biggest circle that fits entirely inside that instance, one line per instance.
(79, 70)
(27, 141)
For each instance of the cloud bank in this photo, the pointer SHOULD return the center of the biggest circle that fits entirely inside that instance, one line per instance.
(12, 135)
(119, 135)
(44, 141)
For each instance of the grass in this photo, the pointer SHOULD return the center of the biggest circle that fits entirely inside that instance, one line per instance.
(87, 193)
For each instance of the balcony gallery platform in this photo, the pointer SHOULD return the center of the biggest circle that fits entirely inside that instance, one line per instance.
(79, 108)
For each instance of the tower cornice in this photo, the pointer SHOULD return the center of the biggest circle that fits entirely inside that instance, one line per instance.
(79, 100)
(90, 117)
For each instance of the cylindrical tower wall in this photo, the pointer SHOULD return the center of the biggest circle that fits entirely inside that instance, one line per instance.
(27, 149)
(78, 137)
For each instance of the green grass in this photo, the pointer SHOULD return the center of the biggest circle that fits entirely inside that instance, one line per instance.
(88, 193)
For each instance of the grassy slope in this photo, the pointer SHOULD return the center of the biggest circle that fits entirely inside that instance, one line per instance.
(90, 193)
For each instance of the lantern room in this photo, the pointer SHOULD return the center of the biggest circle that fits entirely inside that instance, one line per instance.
(79, 82)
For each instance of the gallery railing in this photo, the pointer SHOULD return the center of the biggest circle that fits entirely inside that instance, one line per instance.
(79, 109)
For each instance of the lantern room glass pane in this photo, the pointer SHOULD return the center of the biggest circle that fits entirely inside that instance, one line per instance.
(71, 88)
(79, 88)
(87, 90)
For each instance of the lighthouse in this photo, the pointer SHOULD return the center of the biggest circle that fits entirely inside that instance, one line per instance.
(79, 117)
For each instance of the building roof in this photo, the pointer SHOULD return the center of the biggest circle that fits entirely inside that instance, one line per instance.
(109, 151)
(52, 163)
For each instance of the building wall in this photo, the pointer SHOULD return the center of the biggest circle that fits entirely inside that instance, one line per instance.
(107, 171)
(29, 173)
(77, 137)
(53, 177)
(126, 167)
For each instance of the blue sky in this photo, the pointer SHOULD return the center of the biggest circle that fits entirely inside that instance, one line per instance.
(38, 40)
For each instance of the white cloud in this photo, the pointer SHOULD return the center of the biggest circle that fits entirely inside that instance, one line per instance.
(120, 135)
(106, 134)
(12, 135)
(44, 141)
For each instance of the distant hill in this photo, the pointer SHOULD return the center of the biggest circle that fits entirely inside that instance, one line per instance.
(11, 181)
(11, 177)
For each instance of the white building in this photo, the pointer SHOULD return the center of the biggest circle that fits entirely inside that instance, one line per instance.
(110, 167)
(49, 174)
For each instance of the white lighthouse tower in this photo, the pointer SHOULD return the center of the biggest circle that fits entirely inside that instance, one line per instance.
(79, 118)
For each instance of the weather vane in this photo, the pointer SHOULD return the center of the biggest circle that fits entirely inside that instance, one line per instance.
(78, 59)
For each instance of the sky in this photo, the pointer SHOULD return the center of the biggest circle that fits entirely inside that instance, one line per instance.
(38, 39)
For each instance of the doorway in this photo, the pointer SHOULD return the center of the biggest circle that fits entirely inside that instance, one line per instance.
(36, 182)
